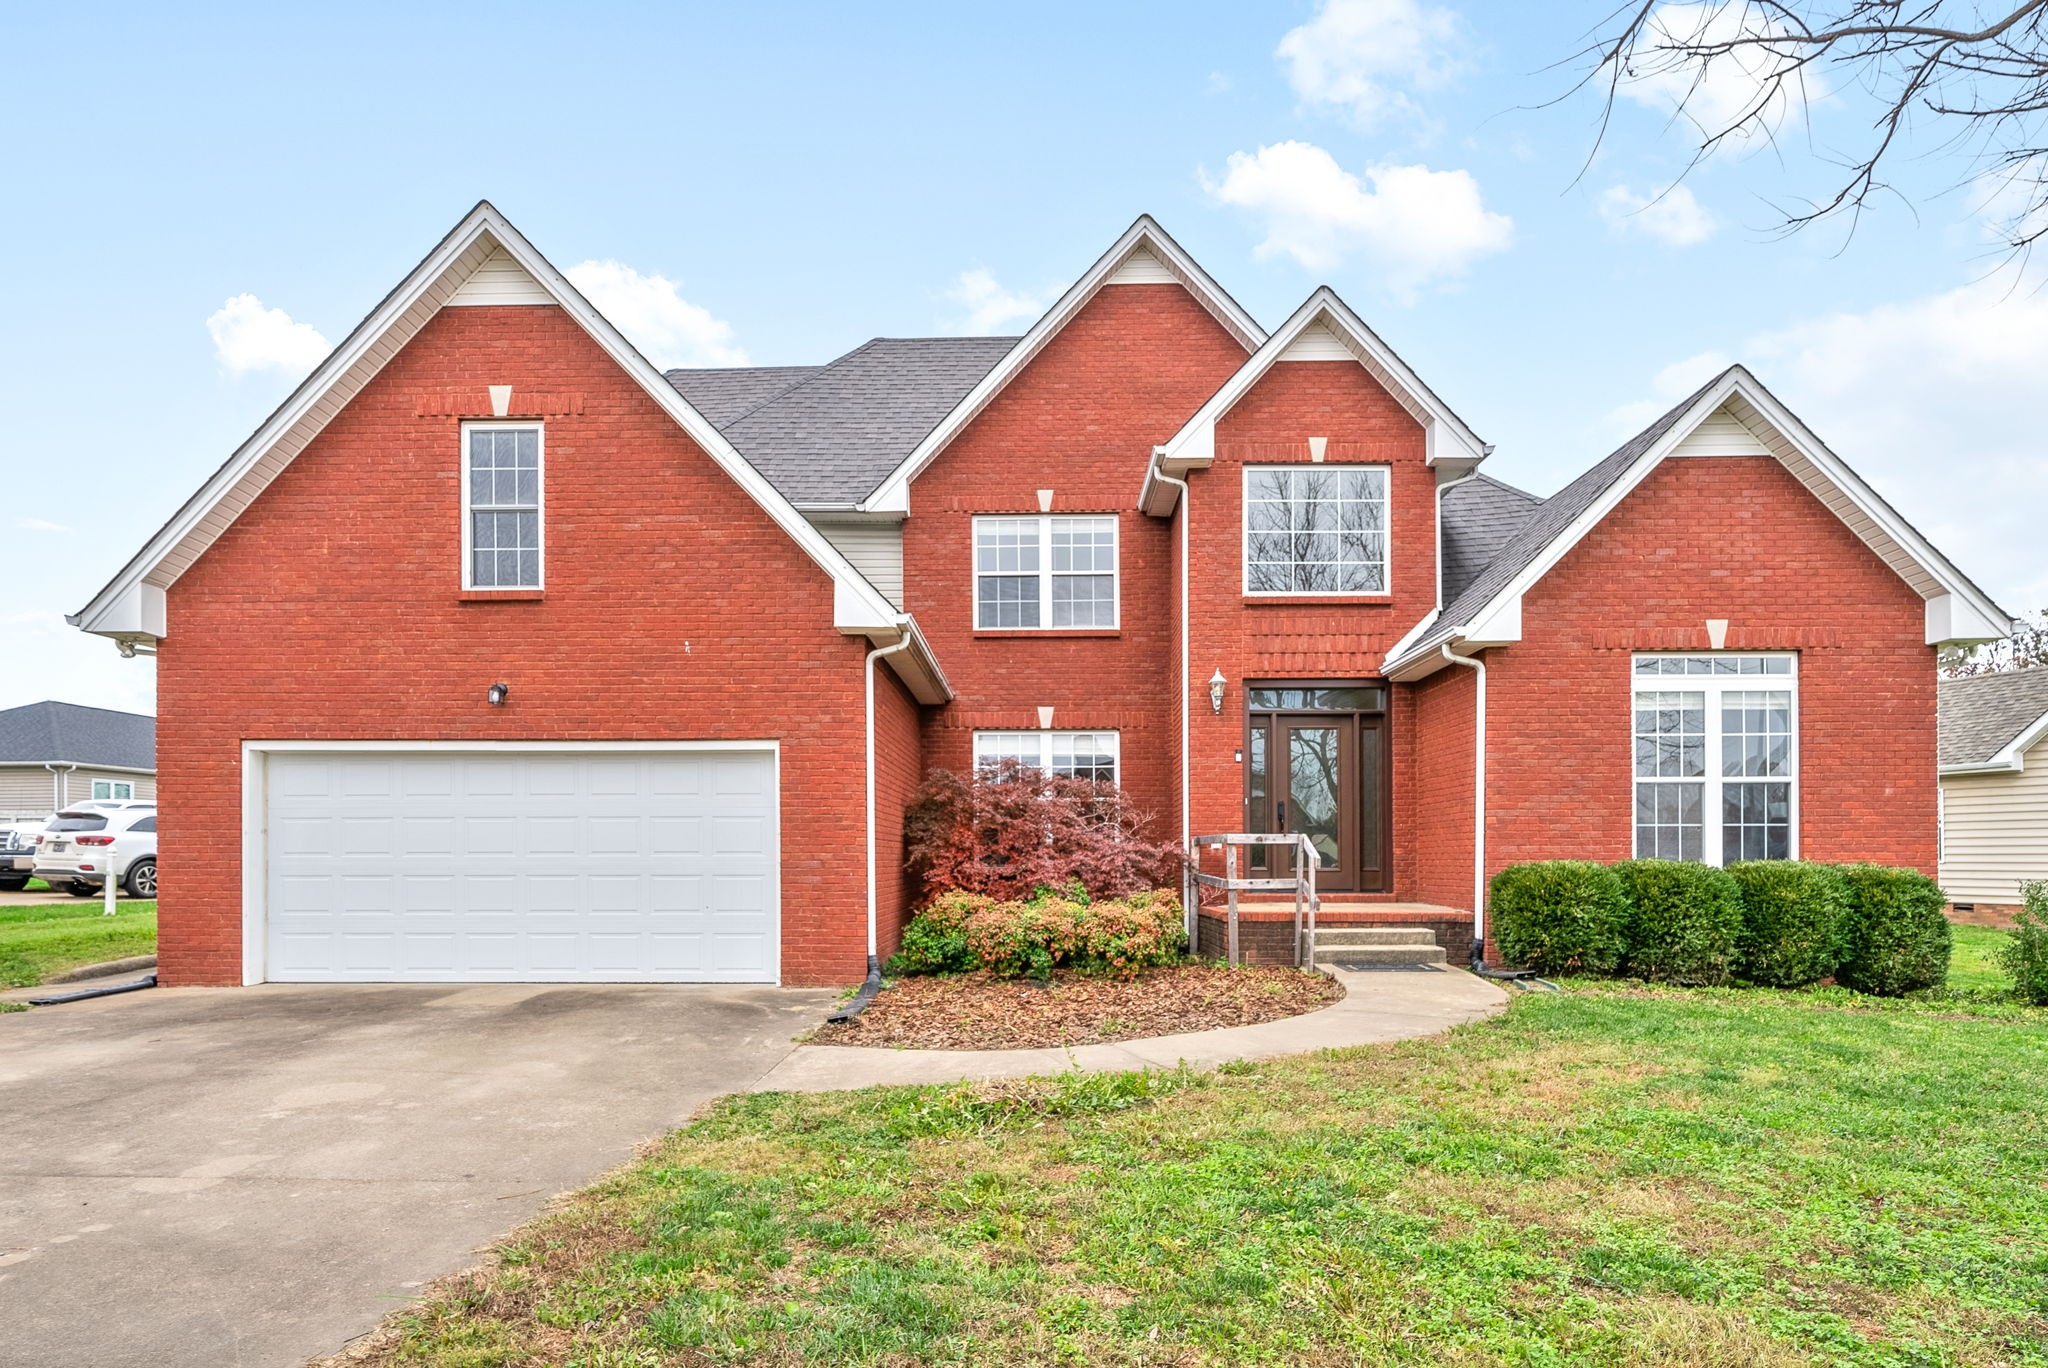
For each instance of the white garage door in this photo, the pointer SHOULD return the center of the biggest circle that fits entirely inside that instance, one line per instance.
(521, 867)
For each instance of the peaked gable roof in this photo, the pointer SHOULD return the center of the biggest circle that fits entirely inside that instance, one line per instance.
(1988, 722)
(1488, 611)
(1145, 254)
(832, 433)
(69, 733)
(723, 394)
(1480, 516)
(131, 608)
(1323, 328)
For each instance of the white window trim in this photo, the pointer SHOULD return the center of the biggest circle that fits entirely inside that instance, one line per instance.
(1713, 686)
(1244, 533)
(540, 507)
(1112, 738)
(110, 785)
(1045, 571)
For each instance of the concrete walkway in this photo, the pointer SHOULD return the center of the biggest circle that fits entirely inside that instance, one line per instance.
(1378, 1006)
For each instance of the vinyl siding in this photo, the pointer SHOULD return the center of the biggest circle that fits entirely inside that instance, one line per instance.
(28, 791)
(1995, 831)
(876, 550)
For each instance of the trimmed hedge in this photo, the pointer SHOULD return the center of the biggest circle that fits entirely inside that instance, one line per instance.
(2025, 954)
(1794, 915)
(1683, 921)
(1898, 939)
(1053, 928)
(1558, 916)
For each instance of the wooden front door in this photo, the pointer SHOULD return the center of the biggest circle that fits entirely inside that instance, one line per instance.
(1323, 775)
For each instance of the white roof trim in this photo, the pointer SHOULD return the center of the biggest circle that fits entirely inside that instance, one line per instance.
(2012, 756)
(1321, 315)
(893, 493)
(131, 606)
(1957, 610)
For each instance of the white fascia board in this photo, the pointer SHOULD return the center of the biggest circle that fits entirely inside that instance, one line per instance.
(1499, 625)
(857, 605)
(2012, 756)
(1445, 435)
(893, 493)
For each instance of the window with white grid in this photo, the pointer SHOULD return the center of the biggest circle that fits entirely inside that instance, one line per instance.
(1082, 754)
(1315, 529)
(1716, 757)
(501, 498)
(1045, 572)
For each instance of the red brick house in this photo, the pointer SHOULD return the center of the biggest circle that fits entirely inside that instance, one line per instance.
(497, 653)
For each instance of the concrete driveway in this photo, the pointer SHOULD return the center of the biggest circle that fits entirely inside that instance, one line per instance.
(256, 1175)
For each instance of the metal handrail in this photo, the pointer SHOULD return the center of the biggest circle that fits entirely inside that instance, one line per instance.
(1303, 884)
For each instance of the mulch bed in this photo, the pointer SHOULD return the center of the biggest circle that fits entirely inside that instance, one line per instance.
(980, 1012)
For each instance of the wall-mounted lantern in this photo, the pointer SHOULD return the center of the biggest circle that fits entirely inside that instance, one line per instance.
(497, 694)
(1216, 682)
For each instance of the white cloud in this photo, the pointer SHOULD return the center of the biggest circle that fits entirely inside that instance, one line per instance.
(1674, 218)
(1935, 401)
(990, 307)
(1417, 226)
(49, 658)
(650, 310)
(248, 337)
(1728, 89)
(1667, 387)
(39, 525)
(1354, 54)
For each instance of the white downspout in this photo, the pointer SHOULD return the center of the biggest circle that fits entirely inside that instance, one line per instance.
(874, 944)
(60, 783)
(1478, 803)
(1187, 830)
(1446, 487)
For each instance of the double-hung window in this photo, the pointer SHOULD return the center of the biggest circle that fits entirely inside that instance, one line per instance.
(501, 506)
(1044, 572)
(1315, 529)
(1716, 757)
(107, 790)
(1082, 754)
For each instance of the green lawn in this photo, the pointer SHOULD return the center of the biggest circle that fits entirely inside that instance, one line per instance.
(36, 942)
(1607, 1176)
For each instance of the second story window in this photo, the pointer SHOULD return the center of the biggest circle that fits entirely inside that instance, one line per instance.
(501, 506)
(1045, 572)
(1315, 529)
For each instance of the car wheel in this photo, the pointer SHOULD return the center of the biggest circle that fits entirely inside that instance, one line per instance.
(82, 890)
(141, 879)
(13, 885)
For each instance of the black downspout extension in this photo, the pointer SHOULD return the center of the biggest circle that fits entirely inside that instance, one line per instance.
(868, 988)
(83, 994)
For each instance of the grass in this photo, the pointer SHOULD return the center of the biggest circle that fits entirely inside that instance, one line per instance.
(38, 941)
(1613, 1175)
(1973, 964)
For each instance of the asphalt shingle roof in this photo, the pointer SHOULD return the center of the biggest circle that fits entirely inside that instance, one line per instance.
(44, 732)
(1480, 517)
(1979, 714)
(830, 435)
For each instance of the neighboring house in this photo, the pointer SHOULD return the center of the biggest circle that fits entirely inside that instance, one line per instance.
(1253, 578)
(1994, 786)
(52, 754)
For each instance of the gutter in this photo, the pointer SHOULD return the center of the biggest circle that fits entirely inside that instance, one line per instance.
(1158, 472)
(1478, 806)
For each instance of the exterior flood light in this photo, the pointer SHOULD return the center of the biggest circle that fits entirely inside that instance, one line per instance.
(497, 694)
(1216, 692)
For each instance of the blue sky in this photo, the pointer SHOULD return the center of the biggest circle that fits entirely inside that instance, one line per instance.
(197, 205)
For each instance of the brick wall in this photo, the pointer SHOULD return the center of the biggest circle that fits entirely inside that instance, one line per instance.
(899, 767)
(1723, 537)
(1081, 420)
(675, 608)
(1441, 815)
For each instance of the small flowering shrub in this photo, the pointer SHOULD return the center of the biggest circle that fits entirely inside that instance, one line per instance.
(1052, 929)
(1010, 829)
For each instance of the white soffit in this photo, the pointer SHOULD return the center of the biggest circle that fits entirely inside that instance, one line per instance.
(1146, 236)
(1317, 343)
(1722, 433)
(498, 279)
(1142, 268)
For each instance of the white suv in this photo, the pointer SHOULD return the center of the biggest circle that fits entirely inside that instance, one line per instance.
(87, 842)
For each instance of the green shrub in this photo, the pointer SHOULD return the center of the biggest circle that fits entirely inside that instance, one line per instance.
(1683, 921)
(1793, 916)
(1898, 940)
(2025, 953)
(1558, 916)
(1053, 928)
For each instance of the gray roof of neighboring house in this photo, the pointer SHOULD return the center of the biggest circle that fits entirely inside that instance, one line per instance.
(67, 732)
(1980, 714)
(827, 435)
(1547, 520)
(1479, 518)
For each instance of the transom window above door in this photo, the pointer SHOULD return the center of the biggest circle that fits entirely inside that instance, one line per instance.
(1315, 529)
(1716, 757)
(1041, 572)
(501, 506)
(1082, 754)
